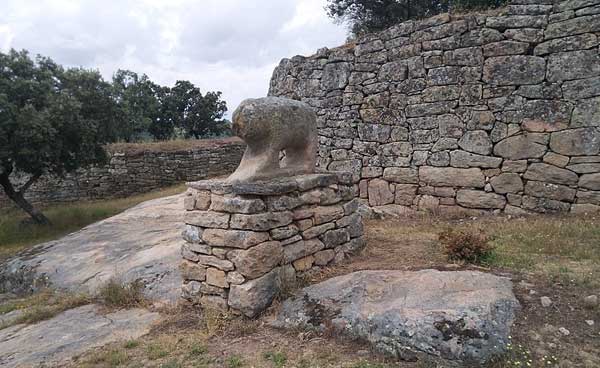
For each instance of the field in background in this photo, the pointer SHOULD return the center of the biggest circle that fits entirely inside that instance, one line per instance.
(173, 145)
(16, 233)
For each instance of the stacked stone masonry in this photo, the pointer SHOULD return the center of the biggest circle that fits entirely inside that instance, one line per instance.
(139, 172)
(244, 242)
(498, 111)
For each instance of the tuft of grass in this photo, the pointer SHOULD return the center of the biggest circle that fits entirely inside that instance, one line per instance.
(234, 361)
(277, 358)
(131, 344)
(197, 350)
(115, 294)
(156, 351)
(17, 233)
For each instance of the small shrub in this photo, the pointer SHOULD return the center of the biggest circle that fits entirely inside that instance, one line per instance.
(122, 295)
(468, 246)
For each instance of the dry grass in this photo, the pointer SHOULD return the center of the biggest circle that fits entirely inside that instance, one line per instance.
(174, 145)
(42, 305)
(16, 235)
(118, 295)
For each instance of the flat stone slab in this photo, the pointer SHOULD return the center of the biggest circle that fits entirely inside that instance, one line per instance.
(460, 315)
(69, 334)
(142, 243)
(277, 186)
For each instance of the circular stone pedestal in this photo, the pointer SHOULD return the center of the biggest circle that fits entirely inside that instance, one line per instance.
(244, 241)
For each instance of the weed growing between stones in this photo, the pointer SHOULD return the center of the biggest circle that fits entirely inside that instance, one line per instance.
(465, 245)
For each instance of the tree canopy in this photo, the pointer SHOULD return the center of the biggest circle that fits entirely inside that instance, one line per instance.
(54, 120)
(365, 16)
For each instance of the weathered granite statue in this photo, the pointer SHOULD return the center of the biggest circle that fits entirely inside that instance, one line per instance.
(270, 126)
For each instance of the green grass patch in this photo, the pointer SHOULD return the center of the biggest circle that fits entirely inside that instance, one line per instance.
(277, 358)
(17, 234)
(234, 361)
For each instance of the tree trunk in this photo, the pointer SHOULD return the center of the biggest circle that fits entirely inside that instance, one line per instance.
(17, 197)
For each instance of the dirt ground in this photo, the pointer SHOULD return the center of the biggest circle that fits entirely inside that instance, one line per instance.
(562, 264)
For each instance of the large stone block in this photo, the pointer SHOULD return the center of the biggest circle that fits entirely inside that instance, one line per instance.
(507, 183)
(514, 70)
(302, 248)
(401, 175)
(451, 177)
(573, 65)
(464, 159)
(462, 315)
(585, 24)
(520, 147)
(258, 260)
(476, 141)
(207, 219)
(233, 238)
(479, 199)
(380, 193)
(262, 221)
(590, 181)
(587, 112)
(576, 142)
(256, 295)
(551, 174)
(236, 204)
(549, 190)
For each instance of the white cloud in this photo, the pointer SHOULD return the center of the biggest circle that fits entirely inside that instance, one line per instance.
(226, 45)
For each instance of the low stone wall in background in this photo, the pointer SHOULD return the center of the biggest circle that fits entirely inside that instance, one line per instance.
(497, 111)
(244, 242)
(139, 168)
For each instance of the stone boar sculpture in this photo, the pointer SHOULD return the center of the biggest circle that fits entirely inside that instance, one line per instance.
(271, 126)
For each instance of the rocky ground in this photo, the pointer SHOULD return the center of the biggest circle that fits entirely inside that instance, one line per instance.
(142, 243)
(552, 262)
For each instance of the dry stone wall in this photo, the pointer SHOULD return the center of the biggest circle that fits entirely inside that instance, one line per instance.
(244, 242)
(496, 111)
(137, 172)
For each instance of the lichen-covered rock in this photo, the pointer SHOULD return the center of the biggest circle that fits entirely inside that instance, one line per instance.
(462, 315)
(254, 296)
(507, 183)
(479, 199)
(451, 177)
(576, 142)
(551, 174)
(258, 260)
(514, 70)
(519, 147)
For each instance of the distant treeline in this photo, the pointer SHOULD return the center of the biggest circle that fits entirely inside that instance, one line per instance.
(131, 107)
(54, 120)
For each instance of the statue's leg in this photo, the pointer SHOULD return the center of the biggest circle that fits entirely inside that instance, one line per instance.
(301, 159)
(256, 164)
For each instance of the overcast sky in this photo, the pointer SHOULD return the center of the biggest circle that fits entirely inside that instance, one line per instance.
(226, 45)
